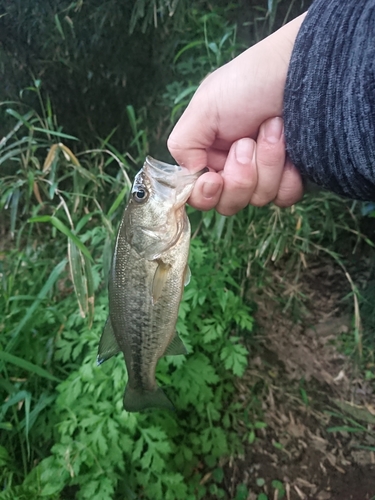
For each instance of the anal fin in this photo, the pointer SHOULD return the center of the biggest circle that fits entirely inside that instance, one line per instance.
(176, 347)
(108, 345)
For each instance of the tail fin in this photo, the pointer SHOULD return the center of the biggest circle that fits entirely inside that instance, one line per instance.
(138, 399)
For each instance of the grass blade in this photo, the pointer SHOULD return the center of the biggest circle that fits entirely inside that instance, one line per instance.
(52, 132)
(118, 200)
(42, 403)
(26, 365)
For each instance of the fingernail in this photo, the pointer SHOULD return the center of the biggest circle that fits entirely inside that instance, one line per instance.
(244, 151)
(210, 189)
(273, 129)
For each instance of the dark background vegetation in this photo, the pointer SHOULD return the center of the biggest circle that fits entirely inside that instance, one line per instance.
(96, 57)
(88, 88)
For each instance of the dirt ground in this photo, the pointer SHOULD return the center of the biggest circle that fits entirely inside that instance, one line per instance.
(319, 442)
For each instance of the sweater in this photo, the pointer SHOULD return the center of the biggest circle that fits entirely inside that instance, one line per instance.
(329, 99)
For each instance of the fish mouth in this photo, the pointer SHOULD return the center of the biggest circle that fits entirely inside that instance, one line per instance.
(161, 166)
(163, 169)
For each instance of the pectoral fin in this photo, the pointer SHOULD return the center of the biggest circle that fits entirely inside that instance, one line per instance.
(187, 275)
(175, 347)
(161, 275)
(108, 345)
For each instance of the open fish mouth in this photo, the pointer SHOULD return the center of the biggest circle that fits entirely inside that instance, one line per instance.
(162, 167)
(171, 175)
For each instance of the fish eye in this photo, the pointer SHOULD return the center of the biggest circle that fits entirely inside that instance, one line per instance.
(140, 195)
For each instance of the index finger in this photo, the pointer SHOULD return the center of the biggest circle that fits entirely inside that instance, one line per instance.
(191, 137)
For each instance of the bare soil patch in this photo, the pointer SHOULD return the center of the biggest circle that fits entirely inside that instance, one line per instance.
(319, 441)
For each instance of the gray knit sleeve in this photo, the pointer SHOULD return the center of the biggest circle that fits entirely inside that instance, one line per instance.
(329, 100)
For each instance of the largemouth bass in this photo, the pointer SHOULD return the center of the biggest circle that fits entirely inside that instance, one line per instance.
(148, 274)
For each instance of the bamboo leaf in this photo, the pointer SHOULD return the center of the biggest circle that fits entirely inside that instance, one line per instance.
(90, 290)
(63, 229)
(77, 276)
(26, 365)
(69, 155)
(51, 156)
(83, 281)
(37, 192)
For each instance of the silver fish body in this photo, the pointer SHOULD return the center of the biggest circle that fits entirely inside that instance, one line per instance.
(148, 273)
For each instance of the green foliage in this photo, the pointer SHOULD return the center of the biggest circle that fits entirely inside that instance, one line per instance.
(65, 429)
(210, 42)
(154, 453)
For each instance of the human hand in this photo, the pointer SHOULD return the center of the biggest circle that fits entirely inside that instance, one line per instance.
(222, 129)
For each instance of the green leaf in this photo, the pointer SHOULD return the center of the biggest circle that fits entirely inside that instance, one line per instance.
(278, 485)
(241, 492)
(235, 358)
(260, 425)
(218, 474)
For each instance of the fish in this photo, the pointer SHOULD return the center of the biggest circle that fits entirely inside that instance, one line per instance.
(148, 273)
